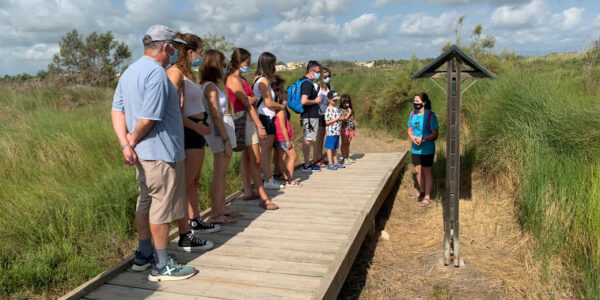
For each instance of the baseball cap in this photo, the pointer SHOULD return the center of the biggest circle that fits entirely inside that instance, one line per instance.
(163, 33)
(331, 94)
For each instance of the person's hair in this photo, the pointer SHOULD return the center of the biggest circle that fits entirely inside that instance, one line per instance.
(321, 80)
(278, 86)
(346, 98)
(193, 43)
(212, 66)
(238, 56)
(425, 100)
(151, 45)
(311, 65)
(266, 65)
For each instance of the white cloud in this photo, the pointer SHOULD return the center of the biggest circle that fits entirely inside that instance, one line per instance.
(381, 3)
(365, 27)
(570, 18)
(519, 17)
(308, 31)
(424, 25)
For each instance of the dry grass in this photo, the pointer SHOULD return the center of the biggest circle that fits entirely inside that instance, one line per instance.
(499, 257)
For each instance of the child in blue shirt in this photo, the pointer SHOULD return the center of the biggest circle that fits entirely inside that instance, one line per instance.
(333, 129)
(423, 131)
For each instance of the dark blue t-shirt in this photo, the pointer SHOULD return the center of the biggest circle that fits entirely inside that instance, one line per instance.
(417, 123)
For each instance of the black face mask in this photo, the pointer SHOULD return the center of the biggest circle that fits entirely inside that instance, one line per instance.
(418, 106)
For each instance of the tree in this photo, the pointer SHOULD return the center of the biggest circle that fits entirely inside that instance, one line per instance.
(94, 61)
(480, 46)
(213, 41)
(457, 28)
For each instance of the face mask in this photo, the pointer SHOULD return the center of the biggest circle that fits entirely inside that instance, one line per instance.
(196, 63)
(418, 106)
(245, 69)
(173, 58)
(317, 75)
(327, 79)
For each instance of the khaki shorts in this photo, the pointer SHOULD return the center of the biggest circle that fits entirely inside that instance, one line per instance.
(214, 139)
(311, 126)
(162, 190)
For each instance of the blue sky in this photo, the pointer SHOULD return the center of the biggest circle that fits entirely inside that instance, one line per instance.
(298, 30)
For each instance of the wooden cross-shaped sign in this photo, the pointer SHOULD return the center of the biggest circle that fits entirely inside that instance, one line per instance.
(455, 60)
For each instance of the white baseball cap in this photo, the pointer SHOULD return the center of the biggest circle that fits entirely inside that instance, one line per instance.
(163, 33)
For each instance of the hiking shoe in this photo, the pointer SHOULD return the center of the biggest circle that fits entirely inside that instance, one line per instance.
(272, 184)
(339, 166)
(315, 168)
(306, 168)
(171, 271)
(199, 226)
(190, 243)
(332, 167)
(143, 263)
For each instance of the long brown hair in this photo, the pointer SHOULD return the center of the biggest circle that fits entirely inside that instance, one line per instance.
(425, 98)
(278, 86)
(346, 98)
(266, 65)
(212, 66)
(238, 56)
(193, 43)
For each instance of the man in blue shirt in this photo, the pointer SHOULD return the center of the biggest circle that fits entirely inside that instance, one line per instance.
(147, 121)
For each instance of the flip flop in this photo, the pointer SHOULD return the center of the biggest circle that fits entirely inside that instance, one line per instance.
(270, 206)
(226, 220)
(425, 203)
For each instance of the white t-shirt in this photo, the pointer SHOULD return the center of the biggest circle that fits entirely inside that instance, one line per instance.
(324, 102)
(263, 109)
(222, 97)
(193, 99)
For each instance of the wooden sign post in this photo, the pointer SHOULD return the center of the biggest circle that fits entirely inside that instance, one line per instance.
(455, 59)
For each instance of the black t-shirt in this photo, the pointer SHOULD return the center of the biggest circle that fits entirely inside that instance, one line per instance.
(308, 88)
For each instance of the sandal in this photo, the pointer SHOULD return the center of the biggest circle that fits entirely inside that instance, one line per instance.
(293, 183)
(226, 219)
(425, 202)
(419, 197)
(233, 213)
(268, 206)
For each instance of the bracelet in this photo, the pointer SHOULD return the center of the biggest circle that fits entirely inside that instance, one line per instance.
(124, 146)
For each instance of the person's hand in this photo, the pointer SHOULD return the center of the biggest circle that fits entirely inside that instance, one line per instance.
(288, 144)
(130, 140)
(418, 140)
(318, 100)
(129, 156)
(202, 129)
(262, 133)
(413, 139)
(228, 149)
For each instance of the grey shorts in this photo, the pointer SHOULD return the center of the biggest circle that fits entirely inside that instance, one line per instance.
(214, 139)
(162, 190)
(310, 125)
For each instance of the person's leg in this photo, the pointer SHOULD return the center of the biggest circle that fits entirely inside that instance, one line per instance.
(291, 163)
(277, 161)
(224, 166)
(334, 154)
(343, 147)
(254, 169)
(194, 158)
(318, 144)
(217, 185)
(419, 175)
(266, 146)
(246, 172)
(329, 155)
(278, 157)
(428, 179)
(306, 152)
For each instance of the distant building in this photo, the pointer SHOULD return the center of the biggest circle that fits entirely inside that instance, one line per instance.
(280, 68)
(368, 64)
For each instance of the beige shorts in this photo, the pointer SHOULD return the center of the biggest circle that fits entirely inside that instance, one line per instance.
(162, 190)
(251, 129)
(214, 139)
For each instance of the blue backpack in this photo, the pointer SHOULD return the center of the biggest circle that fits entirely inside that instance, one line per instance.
(295, 96)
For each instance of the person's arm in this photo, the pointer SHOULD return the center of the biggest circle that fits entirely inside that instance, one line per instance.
(432, 136)
(176, 77)
(120, 127)
(413, 138)
(142, 127)
(265, 91)
(305, 89)
(210, 92)
(330, 121)
(236, 86)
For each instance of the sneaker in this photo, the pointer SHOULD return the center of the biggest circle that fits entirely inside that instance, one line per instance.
(346, 162)
(306, 168)
(339, 166)
(190, 243)
(315, 168)
(171, 271)
(332, 167)
(351, 160)
(199, 226)
(143, 263)
(272, 184)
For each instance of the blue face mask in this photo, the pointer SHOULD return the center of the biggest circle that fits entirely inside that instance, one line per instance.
(245, 69)
(317, 75)
(327, 79)
(173, 58)
(196, 63)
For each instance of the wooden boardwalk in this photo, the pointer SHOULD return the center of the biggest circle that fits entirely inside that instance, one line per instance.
(304, 250)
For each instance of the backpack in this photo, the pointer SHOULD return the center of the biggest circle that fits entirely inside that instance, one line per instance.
(295, 96)
(428, 122)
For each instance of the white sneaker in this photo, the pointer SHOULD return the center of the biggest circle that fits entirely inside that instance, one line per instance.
(272, 184)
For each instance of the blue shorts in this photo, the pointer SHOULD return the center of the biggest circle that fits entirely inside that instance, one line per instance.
(283, 145)
(332, 142)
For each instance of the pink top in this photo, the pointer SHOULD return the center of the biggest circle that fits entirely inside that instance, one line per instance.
(279, 134)
(237, 104)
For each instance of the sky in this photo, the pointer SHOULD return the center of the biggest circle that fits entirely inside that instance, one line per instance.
(299, 30)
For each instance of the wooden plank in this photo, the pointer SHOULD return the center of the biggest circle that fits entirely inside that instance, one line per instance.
(116, 292)
(201, 286)
(273, 243)
(298, 203)
(265, 264)
(315, 256)
(298, 212)
(333, 281)
(209, 274)
(284, 234)
(340, 219)
(329, 228)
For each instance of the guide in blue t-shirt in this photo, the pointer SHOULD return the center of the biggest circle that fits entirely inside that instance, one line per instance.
(423, 131)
